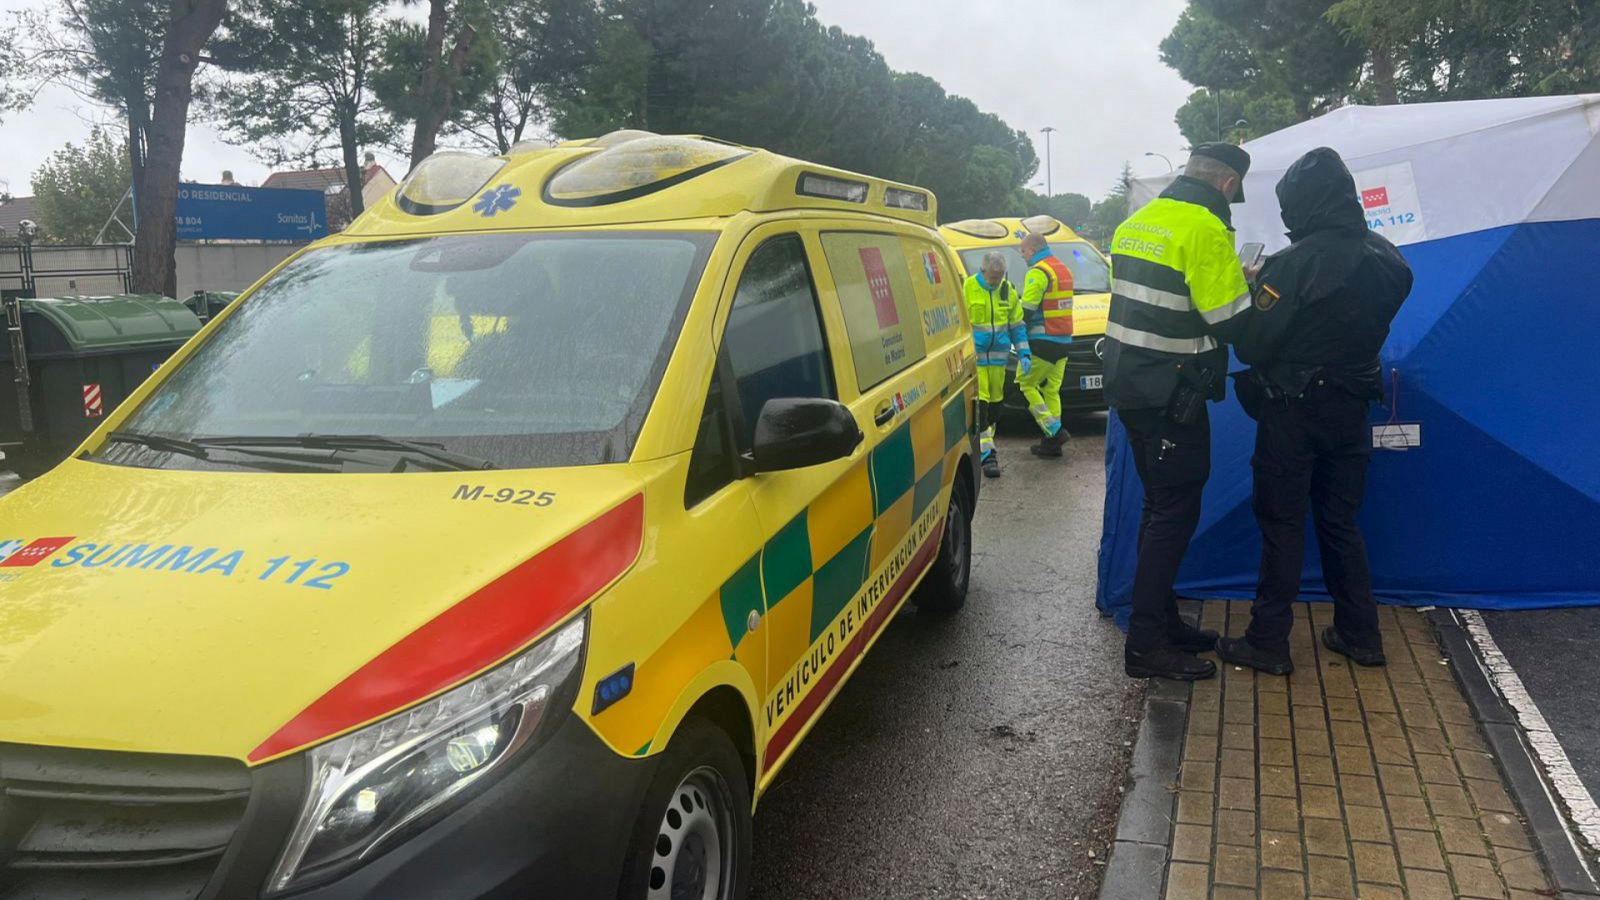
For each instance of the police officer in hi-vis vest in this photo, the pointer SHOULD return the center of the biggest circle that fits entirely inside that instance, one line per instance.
(1047, 311)
(1178, 292)
(996, 314)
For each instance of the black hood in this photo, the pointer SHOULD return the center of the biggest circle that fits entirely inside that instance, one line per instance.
(1317, 194)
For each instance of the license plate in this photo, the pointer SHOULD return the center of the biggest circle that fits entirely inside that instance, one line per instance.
(1090, 382)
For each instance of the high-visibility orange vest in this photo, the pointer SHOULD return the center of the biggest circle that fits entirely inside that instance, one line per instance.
(1056, 305)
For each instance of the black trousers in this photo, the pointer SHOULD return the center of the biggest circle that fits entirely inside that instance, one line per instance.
(1173, 462)
(1311, 451)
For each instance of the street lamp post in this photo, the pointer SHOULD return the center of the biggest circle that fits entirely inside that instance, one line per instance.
(1049, 186)
(1163, 158)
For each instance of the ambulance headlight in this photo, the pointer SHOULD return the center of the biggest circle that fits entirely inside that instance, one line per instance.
(370, 786)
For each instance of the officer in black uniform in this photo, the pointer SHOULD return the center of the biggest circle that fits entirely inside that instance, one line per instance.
(1322, 310)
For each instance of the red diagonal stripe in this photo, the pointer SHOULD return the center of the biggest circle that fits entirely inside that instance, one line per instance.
(808, 707)
(485, 628)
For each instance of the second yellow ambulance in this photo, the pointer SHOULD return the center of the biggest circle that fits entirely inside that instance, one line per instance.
(1091, 275)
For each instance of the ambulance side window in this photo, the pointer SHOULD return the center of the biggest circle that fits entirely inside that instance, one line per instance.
(878, 297)
(774, 339)
(712, 464)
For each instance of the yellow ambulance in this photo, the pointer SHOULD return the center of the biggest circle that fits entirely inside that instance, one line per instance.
(504, 545)
(1081, 390)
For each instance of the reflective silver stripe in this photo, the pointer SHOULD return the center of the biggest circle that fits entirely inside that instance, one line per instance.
(1228, 310)
(1150, 295)
(1148, 341)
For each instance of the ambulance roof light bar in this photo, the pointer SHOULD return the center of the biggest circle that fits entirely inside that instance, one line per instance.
(620, 136)
(900, 198)
(531, 145)
(980, 228)
(1042, 225)
(444, 181)
(637, 167)
(829, 187)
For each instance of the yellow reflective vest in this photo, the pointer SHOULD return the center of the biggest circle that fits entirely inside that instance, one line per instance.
(996, 316)
(1177, 292)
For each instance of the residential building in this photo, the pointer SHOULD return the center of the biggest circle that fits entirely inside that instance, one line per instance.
(376, 182)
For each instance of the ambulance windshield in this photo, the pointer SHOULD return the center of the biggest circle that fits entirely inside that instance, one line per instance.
(519, 350)
(1090, 274)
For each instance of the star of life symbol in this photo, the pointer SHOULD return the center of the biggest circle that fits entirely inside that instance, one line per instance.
(497, 199)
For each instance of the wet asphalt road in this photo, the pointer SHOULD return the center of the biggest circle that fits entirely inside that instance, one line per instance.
(977, 756)
(1553, 652)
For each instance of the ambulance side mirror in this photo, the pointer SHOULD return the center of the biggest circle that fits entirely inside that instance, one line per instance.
(796, 432)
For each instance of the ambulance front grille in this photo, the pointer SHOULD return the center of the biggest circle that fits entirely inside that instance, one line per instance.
(81, 825)
(1082, 354)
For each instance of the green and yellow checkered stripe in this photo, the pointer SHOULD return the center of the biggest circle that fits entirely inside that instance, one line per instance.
(811, 568)
(817, 562)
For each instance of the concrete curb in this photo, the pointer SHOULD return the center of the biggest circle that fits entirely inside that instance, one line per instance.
(1522, 775)
(1137, 867)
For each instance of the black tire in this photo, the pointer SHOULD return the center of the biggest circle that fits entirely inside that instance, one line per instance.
(944, 588)
(695, 817)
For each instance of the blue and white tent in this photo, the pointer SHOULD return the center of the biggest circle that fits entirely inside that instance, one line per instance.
(1493, 363)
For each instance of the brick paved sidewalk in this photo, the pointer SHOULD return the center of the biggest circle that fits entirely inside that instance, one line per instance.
(1340, 781)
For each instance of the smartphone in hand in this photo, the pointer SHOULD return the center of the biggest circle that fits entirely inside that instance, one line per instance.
(1250, 254)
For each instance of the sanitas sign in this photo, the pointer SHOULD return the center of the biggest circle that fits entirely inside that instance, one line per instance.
(232, 212)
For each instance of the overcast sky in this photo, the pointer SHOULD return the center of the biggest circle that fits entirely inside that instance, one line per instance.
(1091, 70)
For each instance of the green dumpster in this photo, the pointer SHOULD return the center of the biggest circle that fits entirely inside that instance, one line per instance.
(206, 304)
(84, 355)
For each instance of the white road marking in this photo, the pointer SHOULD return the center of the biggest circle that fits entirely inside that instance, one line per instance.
(1580, 805)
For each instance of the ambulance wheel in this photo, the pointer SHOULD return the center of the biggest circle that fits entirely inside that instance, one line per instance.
(944, 588)
(694, 836)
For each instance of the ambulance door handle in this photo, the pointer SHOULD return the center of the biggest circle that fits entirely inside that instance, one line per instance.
(885, 415)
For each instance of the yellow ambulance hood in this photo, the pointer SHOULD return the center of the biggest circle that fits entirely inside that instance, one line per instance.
(273, 590)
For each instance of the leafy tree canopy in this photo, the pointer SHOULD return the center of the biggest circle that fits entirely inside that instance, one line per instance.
(769, 74)
(404, 57)
(78, 186)
(300, 91)
(1272, 63)
(1109, 213)
(1071, 210)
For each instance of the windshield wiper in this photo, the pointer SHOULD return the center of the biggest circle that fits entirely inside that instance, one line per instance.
(431, 452)
(159, 442)
(266, 459)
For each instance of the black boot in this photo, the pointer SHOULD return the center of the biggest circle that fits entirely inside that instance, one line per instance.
(1240, 652)
(991, 466)
(1365, 656)
(1166, 662)
(1192, 639)
(1050, 447)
